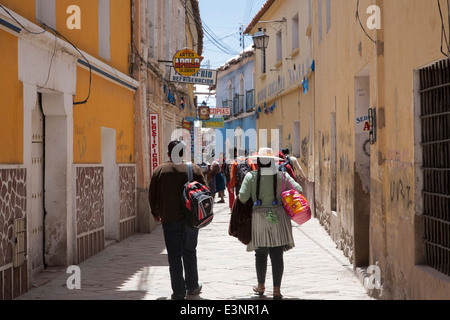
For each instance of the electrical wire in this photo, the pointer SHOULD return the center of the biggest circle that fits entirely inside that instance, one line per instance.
(443, 32)
(209, 34)
(56, 33)
(51, 63)
(21, 25)
(360, 23)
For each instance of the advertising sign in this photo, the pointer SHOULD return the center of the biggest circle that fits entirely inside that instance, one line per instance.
(186, 62)
(220, 111)
(202, 77)
(203, 113)
(154, 141)
(216, 123)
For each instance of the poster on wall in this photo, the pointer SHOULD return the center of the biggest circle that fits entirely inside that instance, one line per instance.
(154, 141)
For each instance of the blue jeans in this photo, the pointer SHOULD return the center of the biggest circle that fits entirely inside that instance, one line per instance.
(181, 244)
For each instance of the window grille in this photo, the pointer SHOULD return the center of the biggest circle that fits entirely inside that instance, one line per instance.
(435, 120)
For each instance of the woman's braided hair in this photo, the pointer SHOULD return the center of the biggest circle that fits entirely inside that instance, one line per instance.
(258, 180)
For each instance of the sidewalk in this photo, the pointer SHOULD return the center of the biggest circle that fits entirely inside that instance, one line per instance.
(137, 269)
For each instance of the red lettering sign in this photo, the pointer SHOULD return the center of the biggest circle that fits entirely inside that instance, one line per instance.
(154, 141)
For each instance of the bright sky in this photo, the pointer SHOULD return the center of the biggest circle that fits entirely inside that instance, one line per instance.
(221, 21)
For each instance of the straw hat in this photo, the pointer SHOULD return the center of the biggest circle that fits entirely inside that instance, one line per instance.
(266, 153)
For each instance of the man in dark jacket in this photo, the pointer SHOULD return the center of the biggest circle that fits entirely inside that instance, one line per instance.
(166, 188)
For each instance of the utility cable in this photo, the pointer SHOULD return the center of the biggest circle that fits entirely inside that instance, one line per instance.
(56, 33)
(360, 23)
(443, 33)
(17, 21)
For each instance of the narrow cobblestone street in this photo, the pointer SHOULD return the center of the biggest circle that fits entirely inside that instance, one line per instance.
(137, 269)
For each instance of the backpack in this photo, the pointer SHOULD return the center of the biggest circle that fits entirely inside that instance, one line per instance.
(197, 202)
(242, 169)
(282, 166)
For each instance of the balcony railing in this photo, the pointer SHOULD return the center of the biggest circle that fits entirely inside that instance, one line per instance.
(249, 100)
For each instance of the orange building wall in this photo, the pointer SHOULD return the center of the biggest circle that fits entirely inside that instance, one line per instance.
(26, 8)
(110, 105)
(11, 102)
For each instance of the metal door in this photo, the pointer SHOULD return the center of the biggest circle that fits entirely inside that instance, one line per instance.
(37, 189)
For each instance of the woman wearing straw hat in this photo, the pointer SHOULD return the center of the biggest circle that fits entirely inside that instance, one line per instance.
(271, 226)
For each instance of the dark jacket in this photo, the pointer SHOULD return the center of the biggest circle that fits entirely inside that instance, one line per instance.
(166, 188)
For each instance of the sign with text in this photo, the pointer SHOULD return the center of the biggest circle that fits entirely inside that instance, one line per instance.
(216, 123)
(220, 111)
(202, 77)
(203, 113)
(154, 141)
(186, 62)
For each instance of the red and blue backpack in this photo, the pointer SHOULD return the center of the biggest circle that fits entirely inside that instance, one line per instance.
(197, 202)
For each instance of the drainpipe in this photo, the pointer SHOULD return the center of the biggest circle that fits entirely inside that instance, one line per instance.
(379, 103)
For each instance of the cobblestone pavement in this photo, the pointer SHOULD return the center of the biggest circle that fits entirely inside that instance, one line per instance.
(137, 269)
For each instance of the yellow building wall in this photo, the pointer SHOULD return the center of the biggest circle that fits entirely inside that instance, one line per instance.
(120, 30)
(87, 37)
(11, 102)
(110, 105)
(281, 83)
(26, 8)
(408, 46)
(409, 39)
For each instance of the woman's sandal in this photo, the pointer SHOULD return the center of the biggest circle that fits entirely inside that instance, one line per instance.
(259, 290)
(277, 294)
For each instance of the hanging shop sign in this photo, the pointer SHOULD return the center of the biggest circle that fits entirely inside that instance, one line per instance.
(216, 123)
(220, 112)
(187, 125)
(203, 113)
(202, 77)
(154, 141)
(186, 62)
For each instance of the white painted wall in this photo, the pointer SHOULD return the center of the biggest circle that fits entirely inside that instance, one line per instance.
(111, 184)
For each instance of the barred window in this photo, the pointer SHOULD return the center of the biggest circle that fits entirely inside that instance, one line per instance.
(435, 137)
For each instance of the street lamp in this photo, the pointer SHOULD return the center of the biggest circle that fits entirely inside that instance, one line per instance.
(261, 41)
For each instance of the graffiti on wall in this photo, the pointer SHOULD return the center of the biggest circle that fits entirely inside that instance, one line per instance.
(400, 192)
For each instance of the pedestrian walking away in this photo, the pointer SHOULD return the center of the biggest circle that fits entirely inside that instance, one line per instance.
(285, 164)
(227, 174)
(293, 162)
(271, 228)
(217, 170)
(166, 188)
(240, 167)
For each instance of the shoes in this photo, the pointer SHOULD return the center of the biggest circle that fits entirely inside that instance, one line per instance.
(195, 291)
(259, 290)
(177, 297)
(221, 201)
(277, 294)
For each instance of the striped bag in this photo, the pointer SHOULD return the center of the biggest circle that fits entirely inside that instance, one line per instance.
(295, 204)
